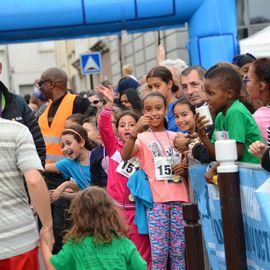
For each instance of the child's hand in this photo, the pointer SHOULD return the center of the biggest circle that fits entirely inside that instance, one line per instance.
(107, 93)
(143, 122)
(201, 124)
(257, 149)
(54, 194)
(181, 142)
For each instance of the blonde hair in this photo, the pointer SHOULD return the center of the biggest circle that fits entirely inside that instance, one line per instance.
(127, 69)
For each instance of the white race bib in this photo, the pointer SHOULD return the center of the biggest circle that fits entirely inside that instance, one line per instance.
(163, 168)
(127, 168)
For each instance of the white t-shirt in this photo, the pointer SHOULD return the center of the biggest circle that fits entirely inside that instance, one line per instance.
(18, 232)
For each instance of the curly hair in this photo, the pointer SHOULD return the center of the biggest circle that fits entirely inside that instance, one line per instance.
(94, 214)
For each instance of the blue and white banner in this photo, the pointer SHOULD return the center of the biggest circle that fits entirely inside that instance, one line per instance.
(255, 199)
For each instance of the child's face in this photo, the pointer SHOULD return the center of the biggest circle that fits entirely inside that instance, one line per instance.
(184, 117)
(156, 84)
(154, 107)
(70, 147)
(216, 97)
(252, 84)
(125, 127)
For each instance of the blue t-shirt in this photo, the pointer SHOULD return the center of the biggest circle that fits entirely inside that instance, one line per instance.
(72, 168)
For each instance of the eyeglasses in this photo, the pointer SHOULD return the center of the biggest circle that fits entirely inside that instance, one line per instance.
(95, 102)
(41, 82)
(246, 79)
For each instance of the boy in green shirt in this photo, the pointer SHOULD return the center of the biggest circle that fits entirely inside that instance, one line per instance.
(233, 121)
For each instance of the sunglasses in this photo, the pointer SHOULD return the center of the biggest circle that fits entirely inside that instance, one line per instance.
(95, 102)
(41, 82)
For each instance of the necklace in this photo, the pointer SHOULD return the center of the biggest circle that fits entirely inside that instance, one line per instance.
(159, 142)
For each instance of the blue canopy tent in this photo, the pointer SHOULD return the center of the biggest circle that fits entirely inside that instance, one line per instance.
(211, 23)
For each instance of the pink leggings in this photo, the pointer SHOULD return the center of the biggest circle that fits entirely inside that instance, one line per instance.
(166, 232)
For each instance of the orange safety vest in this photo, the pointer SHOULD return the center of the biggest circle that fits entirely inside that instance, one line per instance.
(51, 134)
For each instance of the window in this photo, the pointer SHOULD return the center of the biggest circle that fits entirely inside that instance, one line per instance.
(259, 11)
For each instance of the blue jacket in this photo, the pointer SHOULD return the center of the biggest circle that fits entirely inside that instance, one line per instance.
(139, 187)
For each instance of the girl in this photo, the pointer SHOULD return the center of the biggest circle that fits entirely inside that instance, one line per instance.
(96, 239)
(76, 147)
(130, 98)
(184, 115)
(159, 79)
(258, 87)
(119, 171)
(161, 163)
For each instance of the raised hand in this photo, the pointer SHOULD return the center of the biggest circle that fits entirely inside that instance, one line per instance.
(106, 92)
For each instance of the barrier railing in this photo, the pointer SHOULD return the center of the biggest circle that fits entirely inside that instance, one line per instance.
(255, 200)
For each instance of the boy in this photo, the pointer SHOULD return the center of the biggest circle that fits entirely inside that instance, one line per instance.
(233, 121)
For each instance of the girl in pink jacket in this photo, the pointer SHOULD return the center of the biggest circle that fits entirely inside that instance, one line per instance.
(120, 171)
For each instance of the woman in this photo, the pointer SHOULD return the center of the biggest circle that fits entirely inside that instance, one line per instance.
(258, 87)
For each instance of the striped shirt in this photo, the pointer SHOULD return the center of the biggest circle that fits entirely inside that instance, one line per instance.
(18, 233)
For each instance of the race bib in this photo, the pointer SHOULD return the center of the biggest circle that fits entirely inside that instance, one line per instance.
(127, 168)
(163, 168)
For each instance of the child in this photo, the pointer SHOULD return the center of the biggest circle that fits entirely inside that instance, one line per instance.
(162, 164)
(159, 79)
(120, 171)
(233, 121)
(97, 238)
(99, 162)
(74, 119)
(184, 115)
(76, 147)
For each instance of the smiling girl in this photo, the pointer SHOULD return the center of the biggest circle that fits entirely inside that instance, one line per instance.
(184, 115)
(76, 147)
(162, 164)
(159, 79)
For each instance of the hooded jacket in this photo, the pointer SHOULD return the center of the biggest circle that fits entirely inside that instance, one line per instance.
(17, 110)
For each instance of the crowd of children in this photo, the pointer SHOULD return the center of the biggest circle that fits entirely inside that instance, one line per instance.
(157, 135)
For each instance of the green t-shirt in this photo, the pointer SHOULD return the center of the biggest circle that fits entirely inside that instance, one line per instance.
(121, 254)
(240, 126)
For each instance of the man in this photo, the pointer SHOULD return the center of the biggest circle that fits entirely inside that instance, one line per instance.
(15, 108)
(53, 85)
(192, 82)
(18, 233)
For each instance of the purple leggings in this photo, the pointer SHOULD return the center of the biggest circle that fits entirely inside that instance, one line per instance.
(166, 232)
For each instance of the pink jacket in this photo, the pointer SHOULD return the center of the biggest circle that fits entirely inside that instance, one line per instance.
(117, 183)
